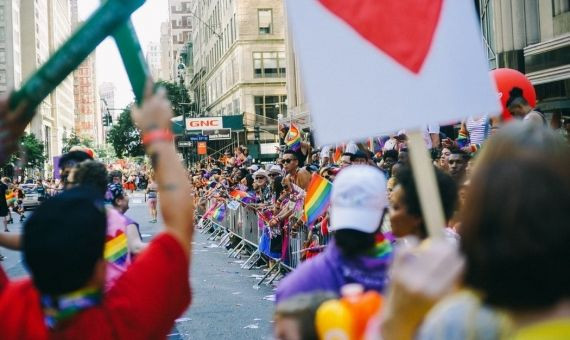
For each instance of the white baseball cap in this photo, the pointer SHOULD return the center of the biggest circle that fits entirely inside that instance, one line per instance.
(358, 199)
(276, 169)
(253, 167)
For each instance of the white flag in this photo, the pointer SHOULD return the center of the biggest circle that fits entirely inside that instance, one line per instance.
(372, 67)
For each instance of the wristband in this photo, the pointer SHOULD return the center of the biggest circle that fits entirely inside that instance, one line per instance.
(157, 135)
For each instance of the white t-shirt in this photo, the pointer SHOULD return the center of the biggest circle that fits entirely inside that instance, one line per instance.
(431, 128)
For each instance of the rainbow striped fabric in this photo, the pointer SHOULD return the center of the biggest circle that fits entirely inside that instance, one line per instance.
(293, 138)
(116, 248)
(219, 213)
(242, 196)
(318, 198)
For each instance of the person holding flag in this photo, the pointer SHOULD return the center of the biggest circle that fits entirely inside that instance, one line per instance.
(359, 252)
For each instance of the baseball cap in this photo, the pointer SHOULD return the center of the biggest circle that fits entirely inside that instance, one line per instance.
(276, 169)
(358, 199)
(261, 172)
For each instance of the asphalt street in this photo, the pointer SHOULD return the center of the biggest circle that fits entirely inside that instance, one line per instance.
(225, 304)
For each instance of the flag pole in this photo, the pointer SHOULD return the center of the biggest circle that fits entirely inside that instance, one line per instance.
(426, 185)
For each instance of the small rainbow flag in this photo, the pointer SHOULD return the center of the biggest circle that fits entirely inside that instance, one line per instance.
(219, 213)
(242, 196)
(116, 249)
(293, 138)
(318, 198)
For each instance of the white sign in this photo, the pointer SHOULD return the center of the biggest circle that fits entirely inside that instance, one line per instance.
(374, 67)
(204, 123)
(218, 134)
(269, 148)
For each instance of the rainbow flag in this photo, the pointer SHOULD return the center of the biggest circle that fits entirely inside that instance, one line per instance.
(116, 249)
(241, 196)
(318, 198)
(219, 213)
(293, 138)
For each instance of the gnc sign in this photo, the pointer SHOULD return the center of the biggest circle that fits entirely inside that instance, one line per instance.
(205, 123)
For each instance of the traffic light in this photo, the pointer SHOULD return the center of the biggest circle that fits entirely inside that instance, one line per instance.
(107, 120)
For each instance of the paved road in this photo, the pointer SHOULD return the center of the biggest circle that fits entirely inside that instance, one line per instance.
(225, 303)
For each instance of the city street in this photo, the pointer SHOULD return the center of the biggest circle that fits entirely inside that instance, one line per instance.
(225, 303)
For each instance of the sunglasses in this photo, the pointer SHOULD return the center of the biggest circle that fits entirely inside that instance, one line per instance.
(259, 178)
(287, 160)
(273, 175)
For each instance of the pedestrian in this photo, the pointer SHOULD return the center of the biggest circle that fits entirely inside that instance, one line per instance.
(359, 252)
(152, 199)
(520, 108)
(457, 162)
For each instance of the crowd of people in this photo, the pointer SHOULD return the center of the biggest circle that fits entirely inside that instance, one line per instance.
(499, 271)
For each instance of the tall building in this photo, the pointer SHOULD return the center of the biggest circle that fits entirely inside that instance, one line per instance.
(88, 120)
(62, 99)
(166, 60)
(240, 62)
(107, 94)
(10, 46)
(180, 17)
(153, 59)
(534, 37)
(35, 46)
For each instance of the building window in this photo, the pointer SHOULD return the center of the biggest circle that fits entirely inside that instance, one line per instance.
(265, 20)
(560, 6)
(2, 77)
(2, 57)
(268, 107)
(269, 64)
(47, 140)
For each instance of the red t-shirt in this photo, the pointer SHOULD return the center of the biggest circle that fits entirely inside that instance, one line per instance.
(143, 304)
(3, 280)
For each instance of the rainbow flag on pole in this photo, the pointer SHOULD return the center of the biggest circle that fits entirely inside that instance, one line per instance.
(219, 213)
(318, 198)
(241, 196)
(293, 138)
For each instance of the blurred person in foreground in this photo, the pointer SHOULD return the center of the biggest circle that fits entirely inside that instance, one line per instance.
(295, 317)
(359, 252)
(63, 299)
(514, 251)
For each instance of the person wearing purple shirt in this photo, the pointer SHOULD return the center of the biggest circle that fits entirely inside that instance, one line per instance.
(359, 252)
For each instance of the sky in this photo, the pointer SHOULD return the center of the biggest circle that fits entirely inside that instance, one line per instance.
(146, 20)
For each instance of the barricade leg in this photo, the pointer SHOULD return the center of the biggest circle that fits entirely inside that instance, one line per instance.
(254, 254)
(277, 265)
(224, 239)
(237, 248)
(277, 273)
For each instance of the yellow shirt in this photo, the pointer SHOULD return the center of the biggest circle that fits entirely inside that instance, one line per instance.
(549, 330)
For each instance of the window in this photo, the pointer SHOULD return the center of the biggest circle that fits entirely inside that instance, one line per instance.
(560, 6)
(2, 34)
(1, 13)
(269, 64)
(265, 20)
(2, 57)
(268, 107)
(2, 77)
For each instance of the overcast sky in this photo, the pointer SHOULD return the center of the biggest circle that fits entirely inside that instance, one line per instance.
(147, 22)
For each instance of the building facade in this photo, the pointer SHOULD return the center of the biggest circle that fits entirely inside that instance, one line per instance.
(180, 29)
(88, 120)
(107, 96)
(166, 61)
(240, 62)
(153, 59)
(10, 46)
(532, 36)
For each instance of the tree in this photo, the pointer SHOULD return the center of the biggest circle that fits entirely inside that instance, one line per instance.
(75, 140)
(125, 137)
(177, 94)
(31, 154)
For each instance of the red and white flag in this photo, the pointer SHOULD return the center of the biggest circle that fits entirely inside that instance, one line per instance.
(378, 66)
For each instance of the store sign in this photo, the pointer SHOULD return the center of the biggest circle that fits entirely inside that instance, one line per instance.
(205, 123)
(185, 144)
(199, 138)
(220, 134)
(202, 148)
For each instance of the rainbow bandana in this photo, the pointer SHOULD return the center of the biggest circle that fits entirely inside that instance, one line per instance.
(65, 307)
(116, 248)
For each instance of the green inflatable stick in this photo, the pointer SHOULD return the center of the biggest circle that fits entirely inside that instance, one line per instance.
(133, 58)
(104, 22)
